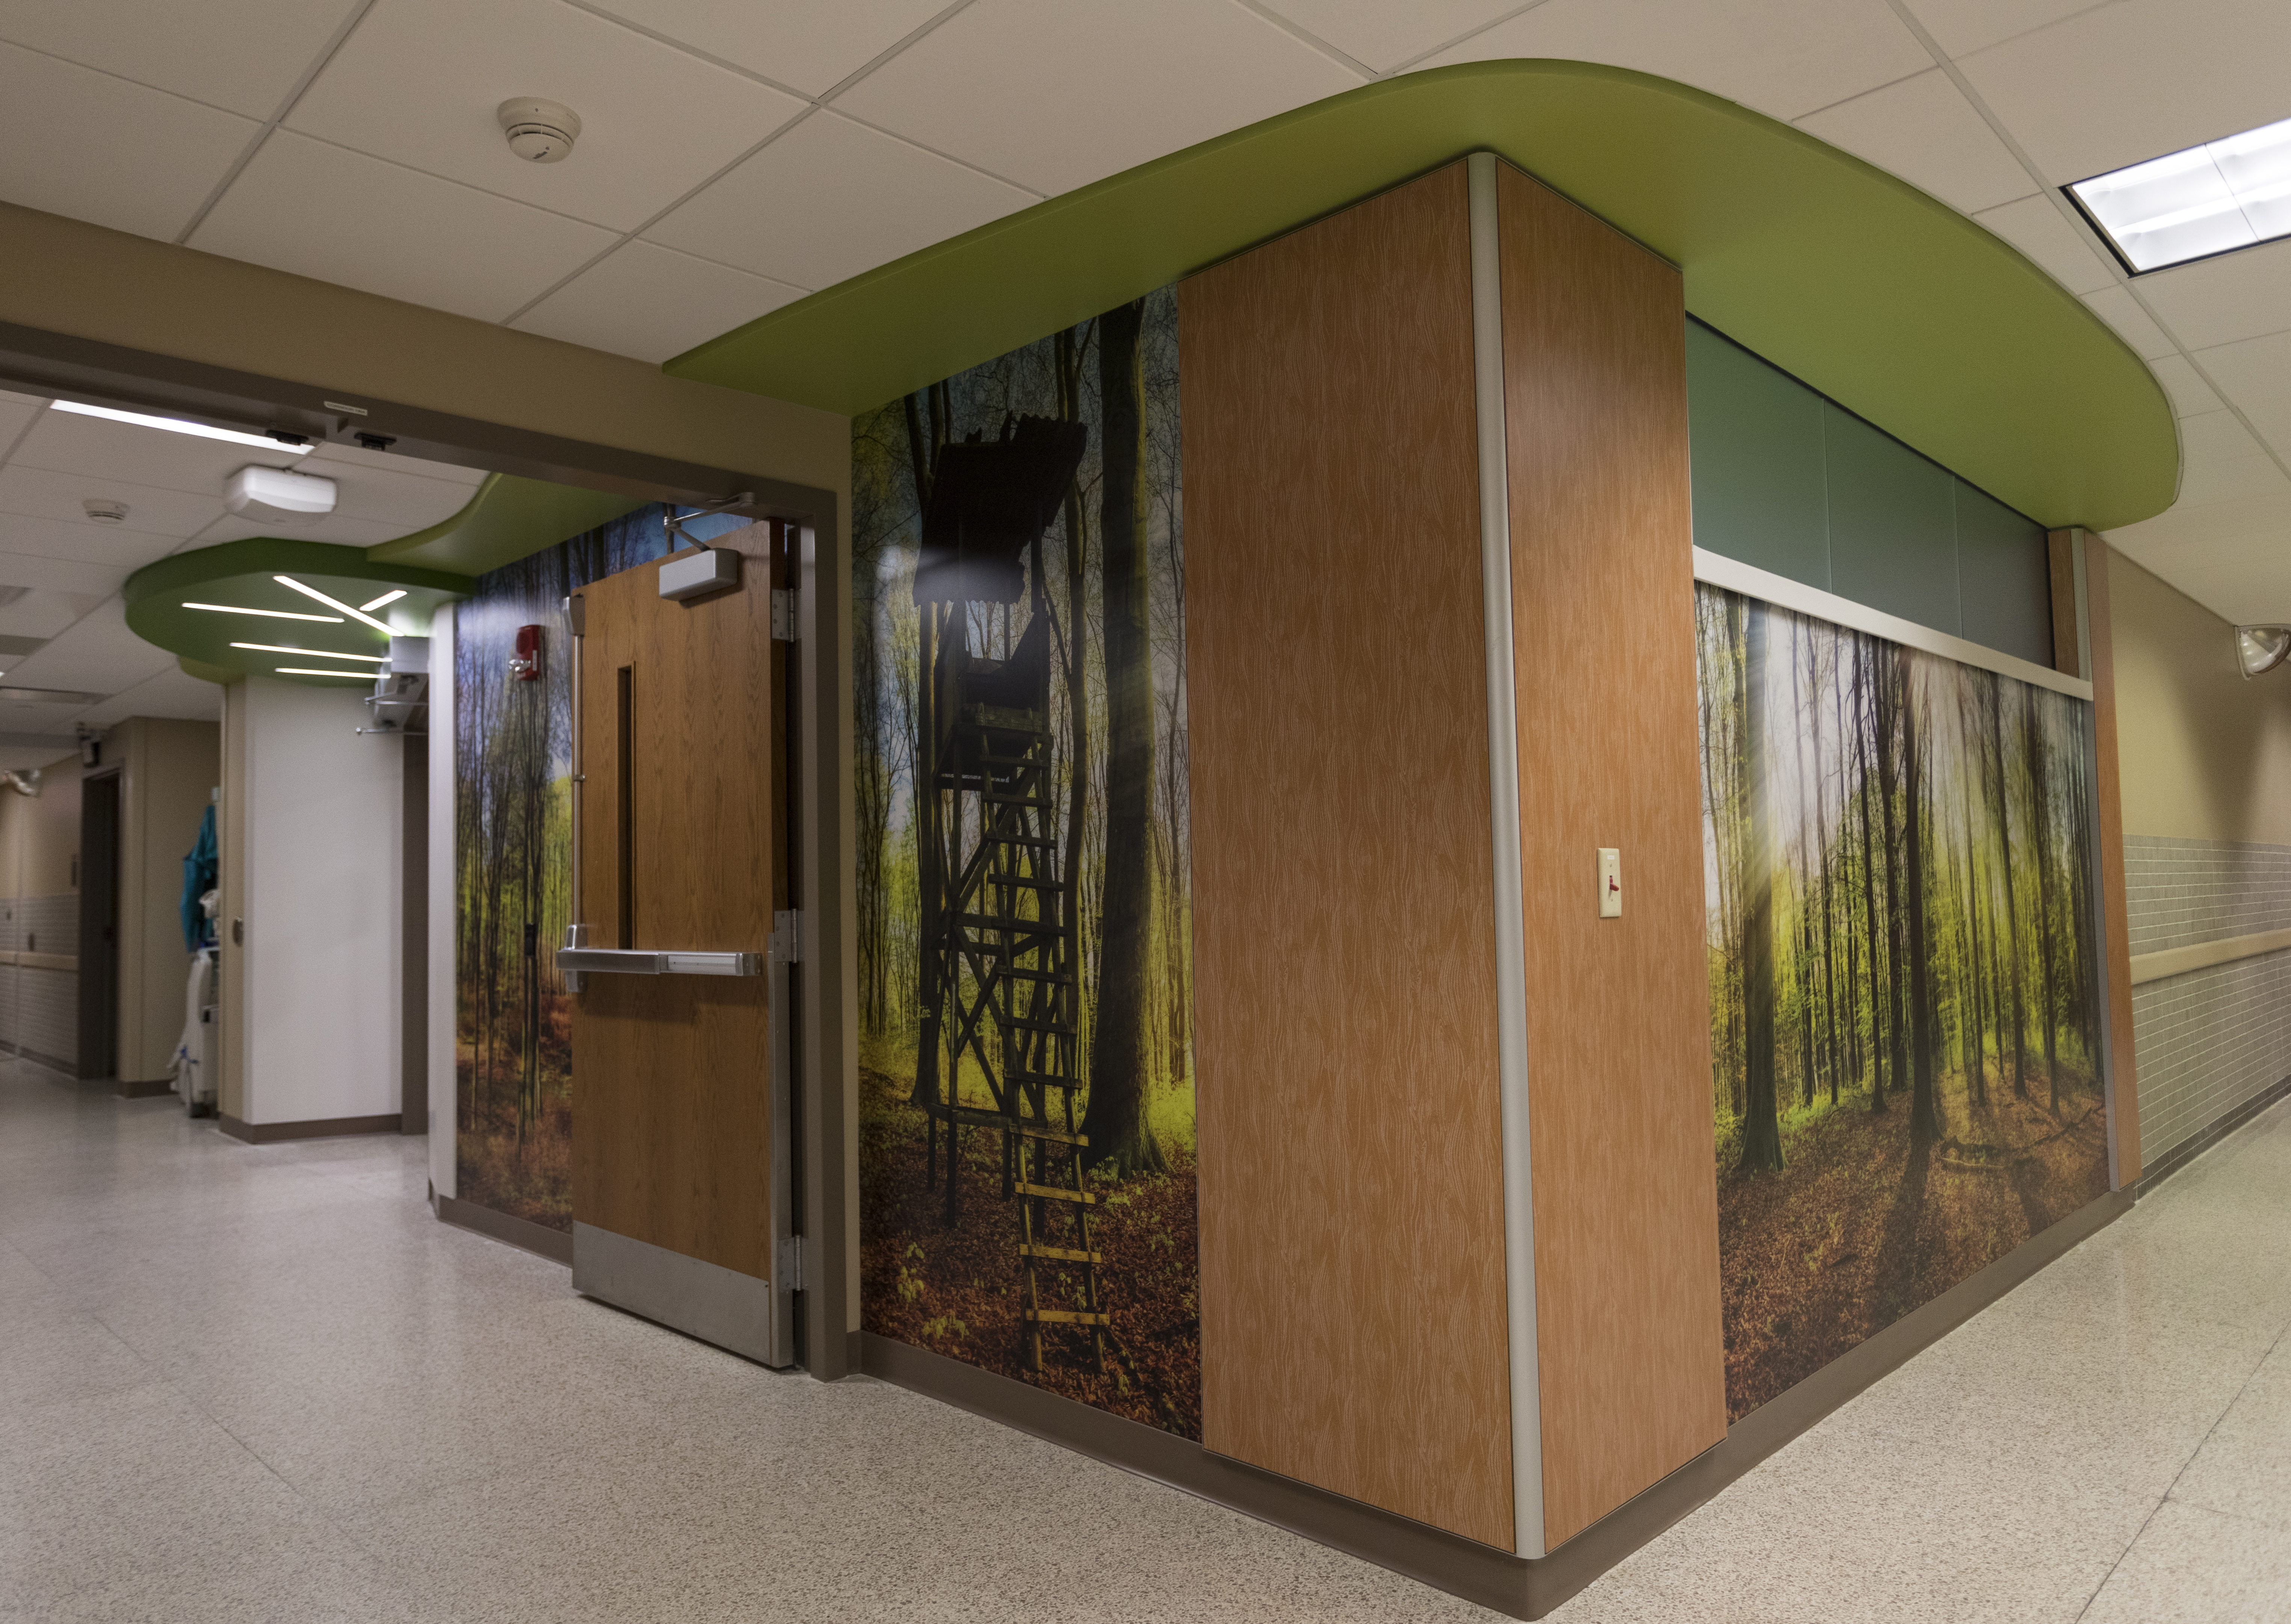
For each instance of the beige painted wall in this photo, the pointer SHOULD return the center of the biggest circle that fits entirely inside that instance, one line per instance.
(168, 768)
(2206, 754)
(39, 837)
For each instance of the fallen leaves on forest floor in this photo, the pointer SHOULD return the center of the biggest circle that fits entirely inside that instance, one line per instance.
(1860, 1227)
(956, 1292)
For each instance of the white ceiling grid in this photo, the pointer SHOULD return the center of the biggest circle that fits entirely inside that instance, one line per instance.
(735, 157)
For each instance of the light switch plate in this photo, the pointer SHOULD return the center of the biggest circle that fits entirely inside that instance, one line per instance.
(1611, 883)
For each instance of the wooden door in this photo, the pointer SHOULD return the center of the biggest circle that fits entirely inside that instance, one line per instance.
(680, 1088)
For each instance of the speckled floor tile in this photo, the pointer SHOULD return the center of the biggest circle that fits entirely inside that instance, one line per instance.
(2194, 1566)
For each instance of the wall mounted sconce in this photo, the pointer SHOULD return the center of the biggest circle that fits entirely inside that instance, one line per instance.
(2260, 649)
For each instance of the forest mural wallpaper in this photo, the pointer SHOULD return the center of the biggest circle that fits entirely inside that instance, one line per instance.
(1026, 1081)
(1904, 1013)
(512, 770)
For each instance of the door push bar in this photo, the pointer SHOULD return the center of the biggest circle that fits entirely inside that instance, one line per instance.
(638, 962)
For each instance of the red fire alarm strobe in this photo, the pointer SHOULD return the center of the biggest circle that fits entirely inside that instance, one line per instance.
(525, 665)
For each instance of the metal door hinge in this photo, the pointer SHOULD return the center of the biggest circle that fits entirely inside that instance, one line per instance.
(792, 1262)
(784, 615)
(787, 936)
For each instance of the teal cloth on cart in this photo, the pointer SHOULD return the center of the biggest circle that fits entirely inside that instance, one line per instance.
(200, 870)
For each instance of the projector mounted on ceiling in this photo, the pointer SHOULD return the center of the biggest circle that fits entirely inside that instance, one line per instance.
(273, 494)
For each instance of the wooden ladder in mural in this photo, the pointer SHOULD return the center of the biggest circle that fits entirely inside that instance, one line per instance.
(1015, 912)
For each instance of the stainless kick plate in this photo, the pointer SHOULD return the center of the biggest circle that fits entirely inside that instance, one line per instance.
(638, 961)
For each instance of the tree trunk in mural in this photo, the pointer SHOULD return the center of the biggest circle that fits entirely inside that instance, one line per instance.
(1117, 1126)
(2040, 820)
(2000, 800)
(1864, 719)
(922, 453)
(1917, 858)
(1065, 354)
(1762, 1144)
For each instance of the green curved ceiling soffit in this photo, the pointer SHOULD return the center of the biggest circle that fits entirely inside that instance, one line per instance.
(242, 574)
(1892, 303)
(509, 519)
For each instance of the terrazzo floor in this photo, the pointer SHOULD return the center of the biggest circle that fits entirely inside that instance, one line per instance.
(252, 1384)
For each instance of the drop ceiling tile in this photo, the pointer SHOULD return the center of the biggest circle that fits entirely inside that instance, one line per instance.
(77, 539)
(172, 693)
(2118, 83)
(2190, 395)
(2244, 294)
(813, 48)
(653, 302)
(2216, 437)
(2115, 305)
(420, 82)
(831, 198)
(1785, 57)
(43, 613)
(319, 211)
(1924, 131)
(18, 413)
(1383, 35)
(1053, 95)
(85, 576)
(244, 55)
(99, 449)
(42, 493)
(2215, 469)
(2255, 376)
(1964, 26)
(2035, 226)
(83, 144)
(98, 653)
(391, 497)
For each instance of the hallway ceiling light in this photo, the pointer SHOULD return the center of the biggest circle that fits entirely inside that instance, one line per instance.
(234, 608)
(312, 670)
(332, 603)
(315, 653)
(368, 608)
(176, 425)
(2214, 198)
(2260, 649)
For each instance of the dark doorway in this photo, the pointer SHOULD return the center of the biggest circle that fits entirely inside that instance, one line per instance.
(99, 927)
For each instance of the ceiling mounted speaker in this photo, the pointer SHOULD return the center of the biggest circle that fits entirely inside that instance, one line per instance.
(2260, 649)
(273, 494)
(540, 132)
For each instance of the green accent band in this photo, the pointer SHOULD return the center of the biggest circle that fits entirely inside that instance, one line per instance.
(1886, 300)
(510, 518)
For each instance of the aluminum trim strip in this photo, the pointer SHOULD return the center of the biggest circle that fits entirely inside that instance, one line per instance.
(1503, 805)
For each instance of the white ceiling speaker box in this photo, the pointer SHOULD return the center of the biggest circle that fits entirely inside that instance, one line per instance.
(275, 494)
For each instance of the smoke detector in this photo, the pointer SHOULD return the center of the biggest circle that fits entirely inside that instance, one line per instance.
(261, 492)
(103, 511)
(541, 132)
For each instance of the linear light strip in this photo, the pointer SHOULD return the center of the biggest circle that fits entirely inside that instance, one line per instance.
(312, 670)
(333, 603)
(235, 608)
(366, 608)
(177, 425)
(316, 654)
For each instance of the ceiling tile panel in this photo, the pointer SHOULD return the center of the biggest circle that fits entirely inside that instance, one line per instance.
(1924, 131)
(78, 539)
(420, 81)
(1962, 26)
(2118, 83)
(813, 48)
(83, 144)
(2115, 305)
(2222, 462)
(653, 302)
(42, 613)
(340, 529)
(1785, 57)
(2190, 396)
(2256, 375)
(389, 496)
(1053, 95)
(389, 461)
(171, 693)
(98, 447)
(244, 55)
(18, 413)
(40, 493)
(1383, 35)
(99, 654)
(2035, 226)
(831, 198)
(304, 206)
(2244, 294)
(83, 576)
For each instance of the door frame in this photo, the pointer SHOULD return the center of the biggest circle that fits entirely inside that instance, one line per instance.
(37, 361)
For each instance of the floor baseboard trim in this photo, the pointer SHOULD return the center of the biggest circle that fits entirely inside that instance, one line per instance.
(150, 1089)
(325, 1128)
(2188, 1150)
(554, 1244)
(1522, 1588)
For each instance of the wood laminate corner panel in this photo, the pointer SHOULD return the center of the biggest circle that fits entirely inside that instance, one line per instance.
(1628, 1339)
(2124, 1093)
(1352, 1260)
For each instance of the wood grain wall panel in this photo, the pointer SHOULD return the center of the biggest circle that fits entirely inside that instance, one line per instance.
(1629, 1338)
(1353, 1329)
(2124, 1100)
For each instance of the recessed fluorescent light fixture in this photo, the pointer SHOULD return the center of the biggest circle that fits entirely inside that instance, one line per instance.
(235, 608)
(2211, 199)
(312, 670)
(315, 653)
(332, 603)
(368, 608)
(176, 425)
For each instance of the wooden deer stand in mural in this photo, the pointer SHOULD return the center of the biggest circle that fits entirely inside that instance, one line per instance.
(1000, 981)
